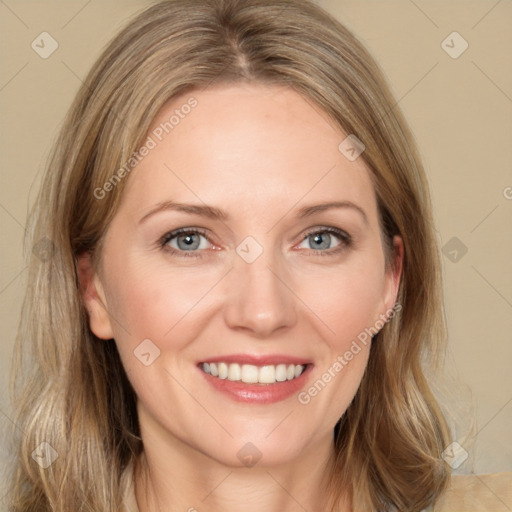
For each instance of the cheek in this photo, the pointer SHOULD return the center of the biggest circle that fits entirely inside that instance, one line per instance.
(161, 306)
(149, 301)
(348, 300)
(151, 298)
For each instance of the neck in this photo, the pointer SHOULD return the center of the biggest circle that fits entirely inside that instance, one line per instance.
(174, 477)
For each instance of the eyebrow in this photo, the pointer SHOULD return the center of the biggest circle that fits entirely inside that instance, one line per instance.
(218, 214)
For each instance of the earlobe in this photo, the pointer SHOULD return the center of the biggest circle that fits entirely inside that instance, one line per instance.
(93, 296)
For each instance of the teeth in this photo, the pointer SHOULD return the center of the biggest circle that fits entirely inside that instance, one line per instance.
(281, 372)
(234, 372)
(267, 375)
(223, 370)
(251, 374)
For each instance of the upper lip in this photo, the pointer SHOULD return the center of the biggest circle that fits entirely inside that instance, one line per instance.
(257, 360)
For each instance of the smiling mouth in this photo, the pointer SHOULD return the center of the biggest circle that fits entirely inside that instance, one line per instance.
(252, 374)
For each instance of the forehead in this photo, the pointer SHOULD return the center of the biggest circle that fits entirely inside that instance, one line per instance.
(252, 147)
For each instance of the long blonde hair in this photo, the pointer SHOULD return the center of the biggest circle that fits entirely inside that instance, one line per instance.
(71, 390)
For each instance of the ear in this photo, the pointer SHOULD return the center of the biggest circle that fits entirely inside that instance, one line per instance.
(394, 273)
(94, 297)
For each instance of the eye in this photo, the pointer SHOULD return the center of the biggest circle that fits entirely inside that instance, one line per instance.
(185, 241)
(192, 241)
(326, 240)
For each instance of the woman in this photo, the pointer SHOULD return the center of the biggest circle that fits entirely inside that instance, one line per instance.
(240, 284)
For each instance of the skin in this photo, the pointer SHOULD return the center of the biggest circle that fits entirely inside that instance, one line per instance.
(259, 153)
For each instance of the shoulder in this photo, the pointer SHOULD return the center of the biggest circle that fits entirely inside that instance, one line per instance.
(477, 493)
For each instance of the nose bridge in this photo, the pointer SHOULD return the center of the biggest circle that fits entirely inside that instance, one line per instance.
(258, 299)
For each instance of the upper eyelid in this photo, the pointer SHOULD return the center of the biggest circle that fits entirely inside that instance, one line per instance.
(326, 229)
(171, 235)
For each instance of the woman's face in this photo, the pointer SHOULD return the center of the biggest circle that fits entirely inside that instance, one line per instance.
(280, 272)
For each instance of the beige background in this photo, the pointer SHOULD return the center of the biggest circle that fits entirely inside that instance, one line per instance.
(460, 111)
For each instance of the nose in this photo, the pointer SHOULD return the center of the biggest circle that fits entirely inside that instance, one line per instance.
(259, 298)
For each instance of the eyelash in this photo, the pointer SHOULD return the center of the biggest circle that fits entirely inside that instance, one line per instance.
(345, 239)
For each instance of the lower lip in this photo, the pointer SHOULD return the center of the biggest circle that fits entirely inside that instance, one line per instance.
(259, 393)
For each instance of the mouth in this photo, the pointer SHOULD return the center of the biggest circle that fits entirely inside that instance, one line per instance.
(262, 380)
